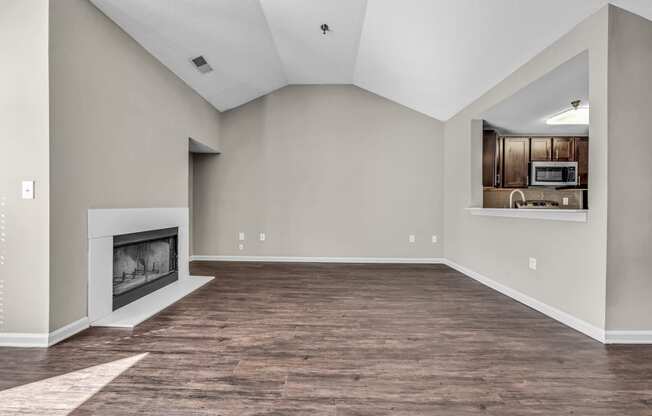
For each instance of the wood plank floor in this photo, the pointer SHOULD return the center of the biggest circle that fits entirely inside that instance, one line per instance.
(333, 339)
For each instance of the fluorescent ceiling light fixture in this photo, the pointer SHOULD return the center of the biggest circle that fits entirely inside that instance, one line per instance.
(572, 116)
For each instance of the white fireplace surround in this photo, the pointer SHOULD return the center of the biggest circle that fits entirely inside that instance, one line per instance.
(103, 224)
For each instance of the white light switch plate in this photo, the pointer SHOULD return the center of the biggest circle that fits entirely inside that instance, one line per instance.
(262, 237)
(412, 238)
(564, 201)
(28, 190)
(434, 239)
(533, 263)
(241, 236)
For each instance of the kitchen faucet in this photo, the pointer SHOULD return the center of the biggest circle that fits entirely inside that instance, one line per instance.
(511, 195)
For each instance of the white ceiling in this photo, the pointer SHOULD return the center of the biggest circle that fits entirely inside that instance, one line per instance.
(434, 56)
(526, 111)
(308, 56)
(232, 35)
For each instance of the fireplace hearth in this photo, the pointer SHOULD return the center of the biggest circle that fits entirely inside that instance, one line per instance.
(142, 263)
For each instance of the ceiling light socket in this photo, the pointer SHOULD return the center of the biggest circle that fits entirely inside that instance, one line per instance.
(324, 28)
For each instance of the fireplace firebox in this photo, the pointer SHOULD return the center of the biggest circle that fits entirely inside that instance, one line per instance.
(142, 263)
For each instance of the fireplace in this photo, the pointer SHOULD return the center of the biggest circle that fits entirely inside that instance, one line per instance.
(142, 263)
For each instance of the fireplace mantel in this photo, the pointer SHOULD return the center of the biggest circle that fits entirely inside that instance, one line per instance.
(103, 225)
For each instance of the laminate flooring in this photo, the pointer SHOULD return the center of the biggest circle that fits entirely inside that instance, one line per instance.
(346, 339)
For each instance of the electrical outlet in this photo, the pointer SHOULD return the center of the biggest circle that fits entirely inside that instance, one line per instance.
(533, 263)
(434, 239)
(262, 236)
(241, 236)
(412, 238)
(240, 246)
(564, 200)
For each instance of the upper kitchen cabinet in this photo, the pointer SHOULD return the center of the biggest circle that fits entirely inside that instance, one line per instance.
(506, 160)
(516, 155)
(562, 149)
(490, 159)
(541, 148)
(582, 159)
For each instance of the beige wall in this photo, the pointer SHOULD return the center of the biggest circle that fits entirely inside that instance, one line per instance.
(119, 138)
(329, 171)
(24, 151)
(629, 262)
(571, 266)
(323, 170)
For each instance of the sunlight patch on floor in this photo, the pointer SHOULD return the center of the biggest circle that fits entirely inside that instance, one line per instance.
(60, 395)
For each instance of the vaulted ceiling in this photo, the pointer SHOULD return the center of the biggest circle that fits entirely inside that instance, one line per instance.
(434, 56)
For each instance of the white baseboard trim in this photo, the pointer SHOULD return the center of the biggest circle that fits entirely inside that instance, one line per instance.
(296, 259)
(569, 320)
(23, 340)
(68, 331)
(629, 337)
(44, 340)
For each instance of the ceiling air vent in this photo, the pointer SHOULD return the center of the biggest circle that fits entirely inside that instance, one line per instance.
(201, 64)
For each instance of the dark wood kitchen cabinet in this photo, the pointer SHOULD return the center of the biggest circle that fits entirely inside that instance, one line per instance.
(562, 148)
(506, 160)
(541, 148)
(516, 157)
(490, 159)
(582, 159)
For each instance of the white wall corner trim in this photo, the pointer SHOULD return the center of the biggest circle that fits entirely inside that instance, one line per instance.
(44, 340)
(629, 337)
(569, 320)
(297, 259)
(67, 331)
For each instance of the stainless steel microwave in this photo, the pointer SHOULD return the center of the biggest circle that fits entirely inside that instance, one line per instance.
(553, 173)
